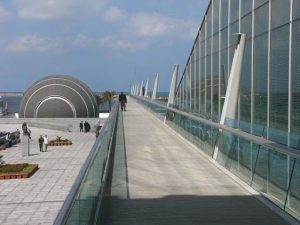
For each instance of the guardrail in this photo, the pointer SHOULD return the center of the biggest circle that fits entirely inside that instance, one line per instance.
(270, 168)
(83, 204)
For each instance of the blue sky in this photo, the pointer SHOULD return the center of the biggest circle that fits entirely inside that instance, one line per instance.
(108, 44)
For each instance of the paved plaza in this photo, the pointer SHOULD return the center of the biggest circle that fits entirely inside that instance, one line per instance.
(38, 199)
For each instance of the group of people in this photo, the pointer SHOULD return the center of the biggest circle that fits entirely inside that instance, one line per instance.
(43, 142)
(84, 125)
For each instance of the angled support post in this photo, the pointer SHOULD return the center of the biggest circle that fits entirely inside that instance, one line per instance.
(141, 89)
(154, 93)
(172, 88)
(229, 110)
(146, 89)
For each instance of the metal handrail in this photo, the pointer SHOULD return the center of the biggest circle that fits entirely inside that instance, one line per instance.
(250, 137)
(70, 200)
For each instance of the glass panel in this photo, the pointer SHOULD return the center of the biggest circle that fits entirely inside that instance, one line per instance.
(246, 7)
(216, 16)
(260, 76)
(245, 89)
(196, 77)
(192, 72)
(234, 28)
(208, 46)
(188, 89)
(246, 26)
(215, 87)
(209, 22)
(208, 86)
(223, 75)
(262, 15)
(216, 43)
(278, 176)
(224, 38)
(279, 78)
(260, 161)
(202, 82)
(258, 3)
(294, 195)
(245, 160)
(183, 97)
(202, 34)
(281, 8)
(224, 13)
(296, 78)
(296, 9)
(234, 10)
(228, 153)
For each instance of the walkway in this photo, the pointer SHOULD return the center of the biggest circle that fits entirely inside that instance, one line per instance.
(170, 182)
(37, 200)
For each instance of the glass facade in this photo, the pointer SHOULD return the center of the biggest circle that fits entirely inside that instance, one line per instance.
(269, 97)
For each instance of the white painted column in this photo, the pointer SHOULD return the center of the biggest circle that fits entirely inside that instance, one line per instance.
(141, 89)
(137, 89)
(146, 89)
(232, 93)
(173, 86)
(154, 93)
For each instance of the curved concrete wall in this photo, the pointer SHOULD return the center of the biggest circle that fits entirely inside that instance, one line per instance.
(58, 96)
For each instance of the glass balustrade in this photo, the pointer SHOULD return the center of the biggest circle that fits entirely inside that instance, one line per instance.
(84, 202)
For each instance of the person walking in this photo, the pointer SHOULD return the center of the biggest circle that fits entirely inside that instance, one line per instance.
(85, 126)
(46, 142)
(41, 142)
(81, 126)
(123, 101)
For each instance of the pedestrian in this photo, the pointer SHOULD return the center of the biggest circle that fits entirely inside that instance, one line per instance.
(46, 142)
(81, 126)
(41, 142)
(85, 126)
(123, 101)
(88, 127)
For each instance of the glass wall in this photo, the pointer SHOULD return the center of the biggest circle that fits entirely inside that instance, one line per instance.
(269, 97)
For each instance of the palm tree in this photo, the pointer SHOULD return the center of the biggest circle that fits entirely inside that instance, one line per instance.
(107, 96)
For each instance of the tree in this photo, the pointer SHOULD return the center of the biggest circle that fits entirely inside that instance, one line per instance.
(108, 96)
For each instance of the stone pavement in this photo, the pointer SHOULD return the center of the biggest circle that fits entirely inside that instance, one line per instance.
(38, 199)
(171, 183)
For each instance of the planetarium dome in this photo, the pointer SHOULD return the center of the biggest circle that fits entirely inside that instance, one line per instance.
(58, 96)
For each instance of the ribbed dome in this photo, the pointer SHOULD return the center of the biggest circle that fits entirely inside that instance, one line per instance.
(58, 96)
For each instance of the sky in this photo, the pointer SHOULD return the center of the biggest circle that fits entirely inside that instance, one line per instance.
(108, 44)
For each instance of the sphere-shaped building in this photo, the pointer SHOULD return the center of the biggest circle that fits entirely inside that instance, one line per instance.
(58, 96)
